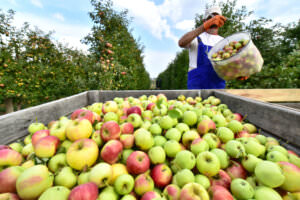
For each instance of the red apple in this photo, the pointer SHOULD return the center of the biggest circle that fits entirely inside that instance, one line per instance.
(172, 192)
(134, 109)
(220, 193)
(127, 128)
(83, 114)
(4, 147)
(238, 117)
(222, 179)
(242, 134)
(150, 106)
(137, 162)
(161, 175)
(127, 140)
(9, 157)
(111, 151)
(38, 135)
(143, 183)
(8, 179)
(87, 191)
(110, 130)
(205, 126)
(75, 114)
(292, 177)
(46, 146)
(236, 170)
(150, 195)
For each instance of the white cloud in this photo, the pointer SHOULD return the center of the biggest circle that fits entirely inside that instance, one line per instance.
(59, 16)
(157, 61)
(185, 25)
(65, 33)
(37, 3)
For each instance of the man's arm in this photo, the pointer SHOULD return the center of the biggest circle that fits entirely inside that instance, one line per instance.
(187, 38)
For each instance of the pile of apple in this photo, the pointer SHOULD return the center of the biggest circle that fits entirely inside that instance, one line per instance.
(149, 148)
(248, 62)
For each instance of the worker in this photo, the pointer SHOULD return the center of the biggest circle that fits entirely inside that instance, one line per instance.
(199, 41)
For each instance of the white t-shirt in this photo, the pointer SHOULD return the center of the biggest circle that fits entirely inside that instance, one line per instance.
(207, 39)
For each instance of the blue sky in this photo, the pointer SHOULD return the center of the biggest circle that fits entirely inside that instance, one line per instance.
(158, 23)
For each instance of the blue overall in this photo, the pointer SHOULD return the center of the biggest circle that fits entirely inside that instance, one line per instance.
(204, 76)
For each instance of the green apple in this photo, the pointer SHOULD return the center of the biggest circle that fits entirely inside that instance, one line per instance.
(108, 193)
(249, 162)
(135, 120)
(266, 193)
(143, 139)
(182, 127)
(128, 197)
(157, 155)
(189, 118)
(278, 148)
(66, 144)
(155, 129)
(98, 126)
(83, 178)
(212, 140)
(188, 137)
(208, 163)
(124, 184)
(193, 191)
(101, 174)
(58, 129)
(185, 160)
(36, 126)
(254, 148)
(269, 174)
(16, 146)
(159, 140)
(66, 178)
(166, 122)
(208, 112)
(261, 138)
(147, 115)
(146, 125)
(235, 126)
(249, 127)
(110, 116)
(184, 176)
(199, 145)
(173, 134)
(202, 180)
(56, 162)
(27, 150)
(222, 156)
(276, 156)
(227, 112)
(225, 134)
(294, 159)
(125, 154)
(56, 192)
(171, 148)
(219, 120)
(241, 189)
(235, 149)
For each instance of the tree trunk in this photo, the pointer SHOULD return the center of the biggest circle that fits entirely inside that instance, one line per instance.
(19, 106)
(9, 106)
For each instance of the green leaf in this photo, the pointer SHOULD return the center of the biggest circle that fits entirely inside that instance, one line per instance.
(174, 113)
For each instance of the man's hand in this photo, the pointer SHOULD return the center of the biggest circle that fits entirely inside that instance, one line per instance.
(217, 20)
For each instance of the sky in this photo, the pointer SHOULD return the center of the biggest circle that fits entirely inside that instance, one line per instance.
(157, 23)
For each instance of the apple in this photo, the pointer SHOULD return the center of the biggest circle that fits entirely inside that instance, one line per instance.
(87, 191)
(249, 128)
(199, 145)
(159, 140)
(161, 175)
(65, 177)
(173, 134)
(135, 120)
(9, 157)
(101, 174)
(227, 112)
(111, 116)
(155, 129)
(150, 106)
(212, 140)
(96, 107)
(189, 118)
(98, 126)
(108, 193)
(157, 155)
(147, 115)
(185, 160)
(143, 183)
(235, 149)
(36, 126)
(27, 139)
(151, 195)
(109, 106)
(202, 180)
(225, 134)
(8, 178)
(16, 146)
(83, 178)
(66, 145)
(110, 130)
(124, 184)
(56, 162)
(46, 146)
(188, 137)
(236, 170)
(83, 114)
(125, 155)
(292, 177)
(118, 170)
(254, 148)
(128, 197)
(184, 177)
(143, 139)
(134, 109)
(278, 148)
(242, 134)
(219, 120)
(294, 159)
(241, 189)
(138, 162)
(146, 125)
(171, 192)
(182, 127)
(166, 122)
(79, 129)
(220, 193)
(96, 136)
(235, 126)
(38, 135)
(264, 193)
(206, 125)
(127, 128)
(57, 192)
(171, 148)
(261, 138)
(222, 156)
(9, 196)
(111, 151)
(276, 156)
(269, 174)
(33, 182)
(222, 179)
(27, 164)
(208, 163)
(82, 153)
(193, 191)
(249, 162)
(127, 140)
